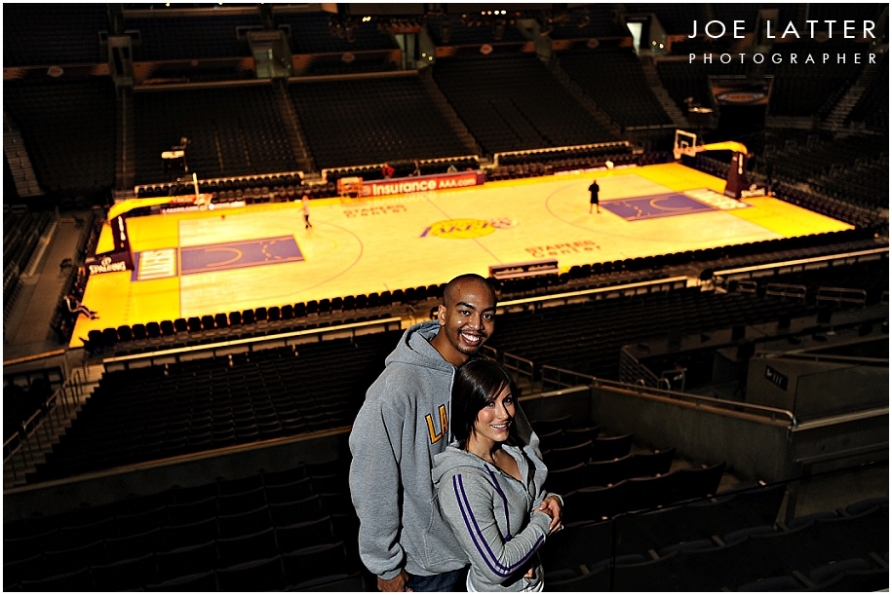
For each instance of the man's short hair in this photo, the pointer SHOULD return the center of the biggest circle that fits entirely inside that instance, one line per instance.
(449, 291)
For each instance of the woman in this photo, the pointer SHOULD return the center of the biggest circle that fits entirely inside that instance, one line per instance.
(490, 489)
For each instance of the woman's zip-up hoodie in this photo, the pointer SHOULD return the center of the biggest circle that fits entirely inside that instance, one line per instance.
(493, 514)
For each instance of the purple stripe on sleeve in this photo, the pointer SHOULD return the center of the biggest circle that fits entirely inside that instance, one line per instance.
(476, 534)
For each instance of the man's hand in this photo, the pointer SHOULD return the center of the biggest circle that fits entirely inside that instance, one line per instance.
(397, 583)
(553, 506)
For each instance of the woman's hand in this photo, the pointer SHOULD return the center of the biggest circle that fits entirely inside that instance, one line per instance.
(552, 507)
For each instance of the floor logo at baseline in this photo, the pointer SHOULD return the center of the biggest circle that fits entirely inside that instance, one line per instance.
(466, 229)
(159, 264)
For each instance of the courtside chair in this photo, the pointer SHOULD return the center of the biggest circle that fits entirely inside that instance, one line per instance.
(109, 337)
(125, 333)
(180, 325)
(220, 320)
(167, 328)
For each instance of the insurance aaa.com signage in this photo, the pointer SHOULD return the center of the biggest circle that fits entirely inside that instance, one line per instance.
(422, 183)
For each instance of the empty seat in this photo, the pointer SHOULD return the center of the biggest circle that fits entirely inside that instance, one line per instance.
(604, 473)
(613, 447)
(220, 320)
(650, 464)
(109, 337)
(264, 574)
(547, 426)
(235, 550)
(562, 458)
(315, 561)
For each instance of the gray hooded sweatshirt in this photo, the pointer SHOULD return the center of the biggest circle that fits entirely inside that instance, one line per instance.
(402, 424)
(494, 515)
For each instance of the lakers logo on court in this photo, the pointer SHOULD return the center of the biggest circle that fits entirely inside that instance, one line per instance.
(466, 229)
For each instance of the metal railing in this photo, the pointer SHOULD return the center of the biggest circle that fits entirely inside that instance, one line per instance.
(562, 378)
(36, 435)
(584, 295)
(722, 277)
(841, 295)
(787, 290)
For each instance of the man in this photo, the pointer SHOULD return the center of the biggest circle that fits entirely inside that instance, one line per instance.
(402, 424)
(77, 308)
(305, 205)
(594, 189)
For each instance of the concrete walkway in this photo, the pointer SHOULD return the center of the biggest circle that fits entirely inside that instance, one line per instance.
(28, 331)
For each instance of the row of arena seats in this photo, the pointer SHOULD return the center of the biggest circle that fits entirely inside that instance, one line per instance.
(21, 234)
(68, 127)
(647, 268)
(599, 329)
(291, 529)
(245, 183)
(397, 120)
(237, 133)
(262, 320)
(139, 414)
(493, 97)
(642, 493)
(731, 542)
(402, 169)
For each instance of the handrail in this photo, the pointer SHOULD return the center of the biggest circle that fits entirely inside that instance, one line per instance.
(697, 400)
(837, 295)
(30, 431)
(587, 292)
(802, 261)
(34, 357)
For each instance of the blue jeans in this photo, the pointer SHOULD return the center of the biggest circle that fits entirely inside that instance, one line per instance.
(447, 582)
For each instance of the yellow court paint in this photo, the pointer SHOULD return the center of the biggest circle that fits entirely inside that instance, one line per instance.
(366, 245)
(787, 219)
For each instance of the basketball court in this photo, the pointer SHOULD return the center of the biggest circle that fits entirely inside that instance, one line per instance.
(198, 263)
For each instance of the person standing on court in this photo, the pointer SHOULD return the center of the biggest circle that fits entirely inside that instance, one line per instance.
(305, 204)
(594, 189)
(402, 424)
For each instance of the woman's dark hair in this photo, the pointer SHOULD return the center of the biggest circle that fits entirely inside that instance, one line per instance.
(476, 383)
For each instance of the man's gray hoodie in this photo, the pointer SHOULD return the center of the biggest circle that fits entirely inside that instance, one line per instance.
(402, 424)
(494, 515)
